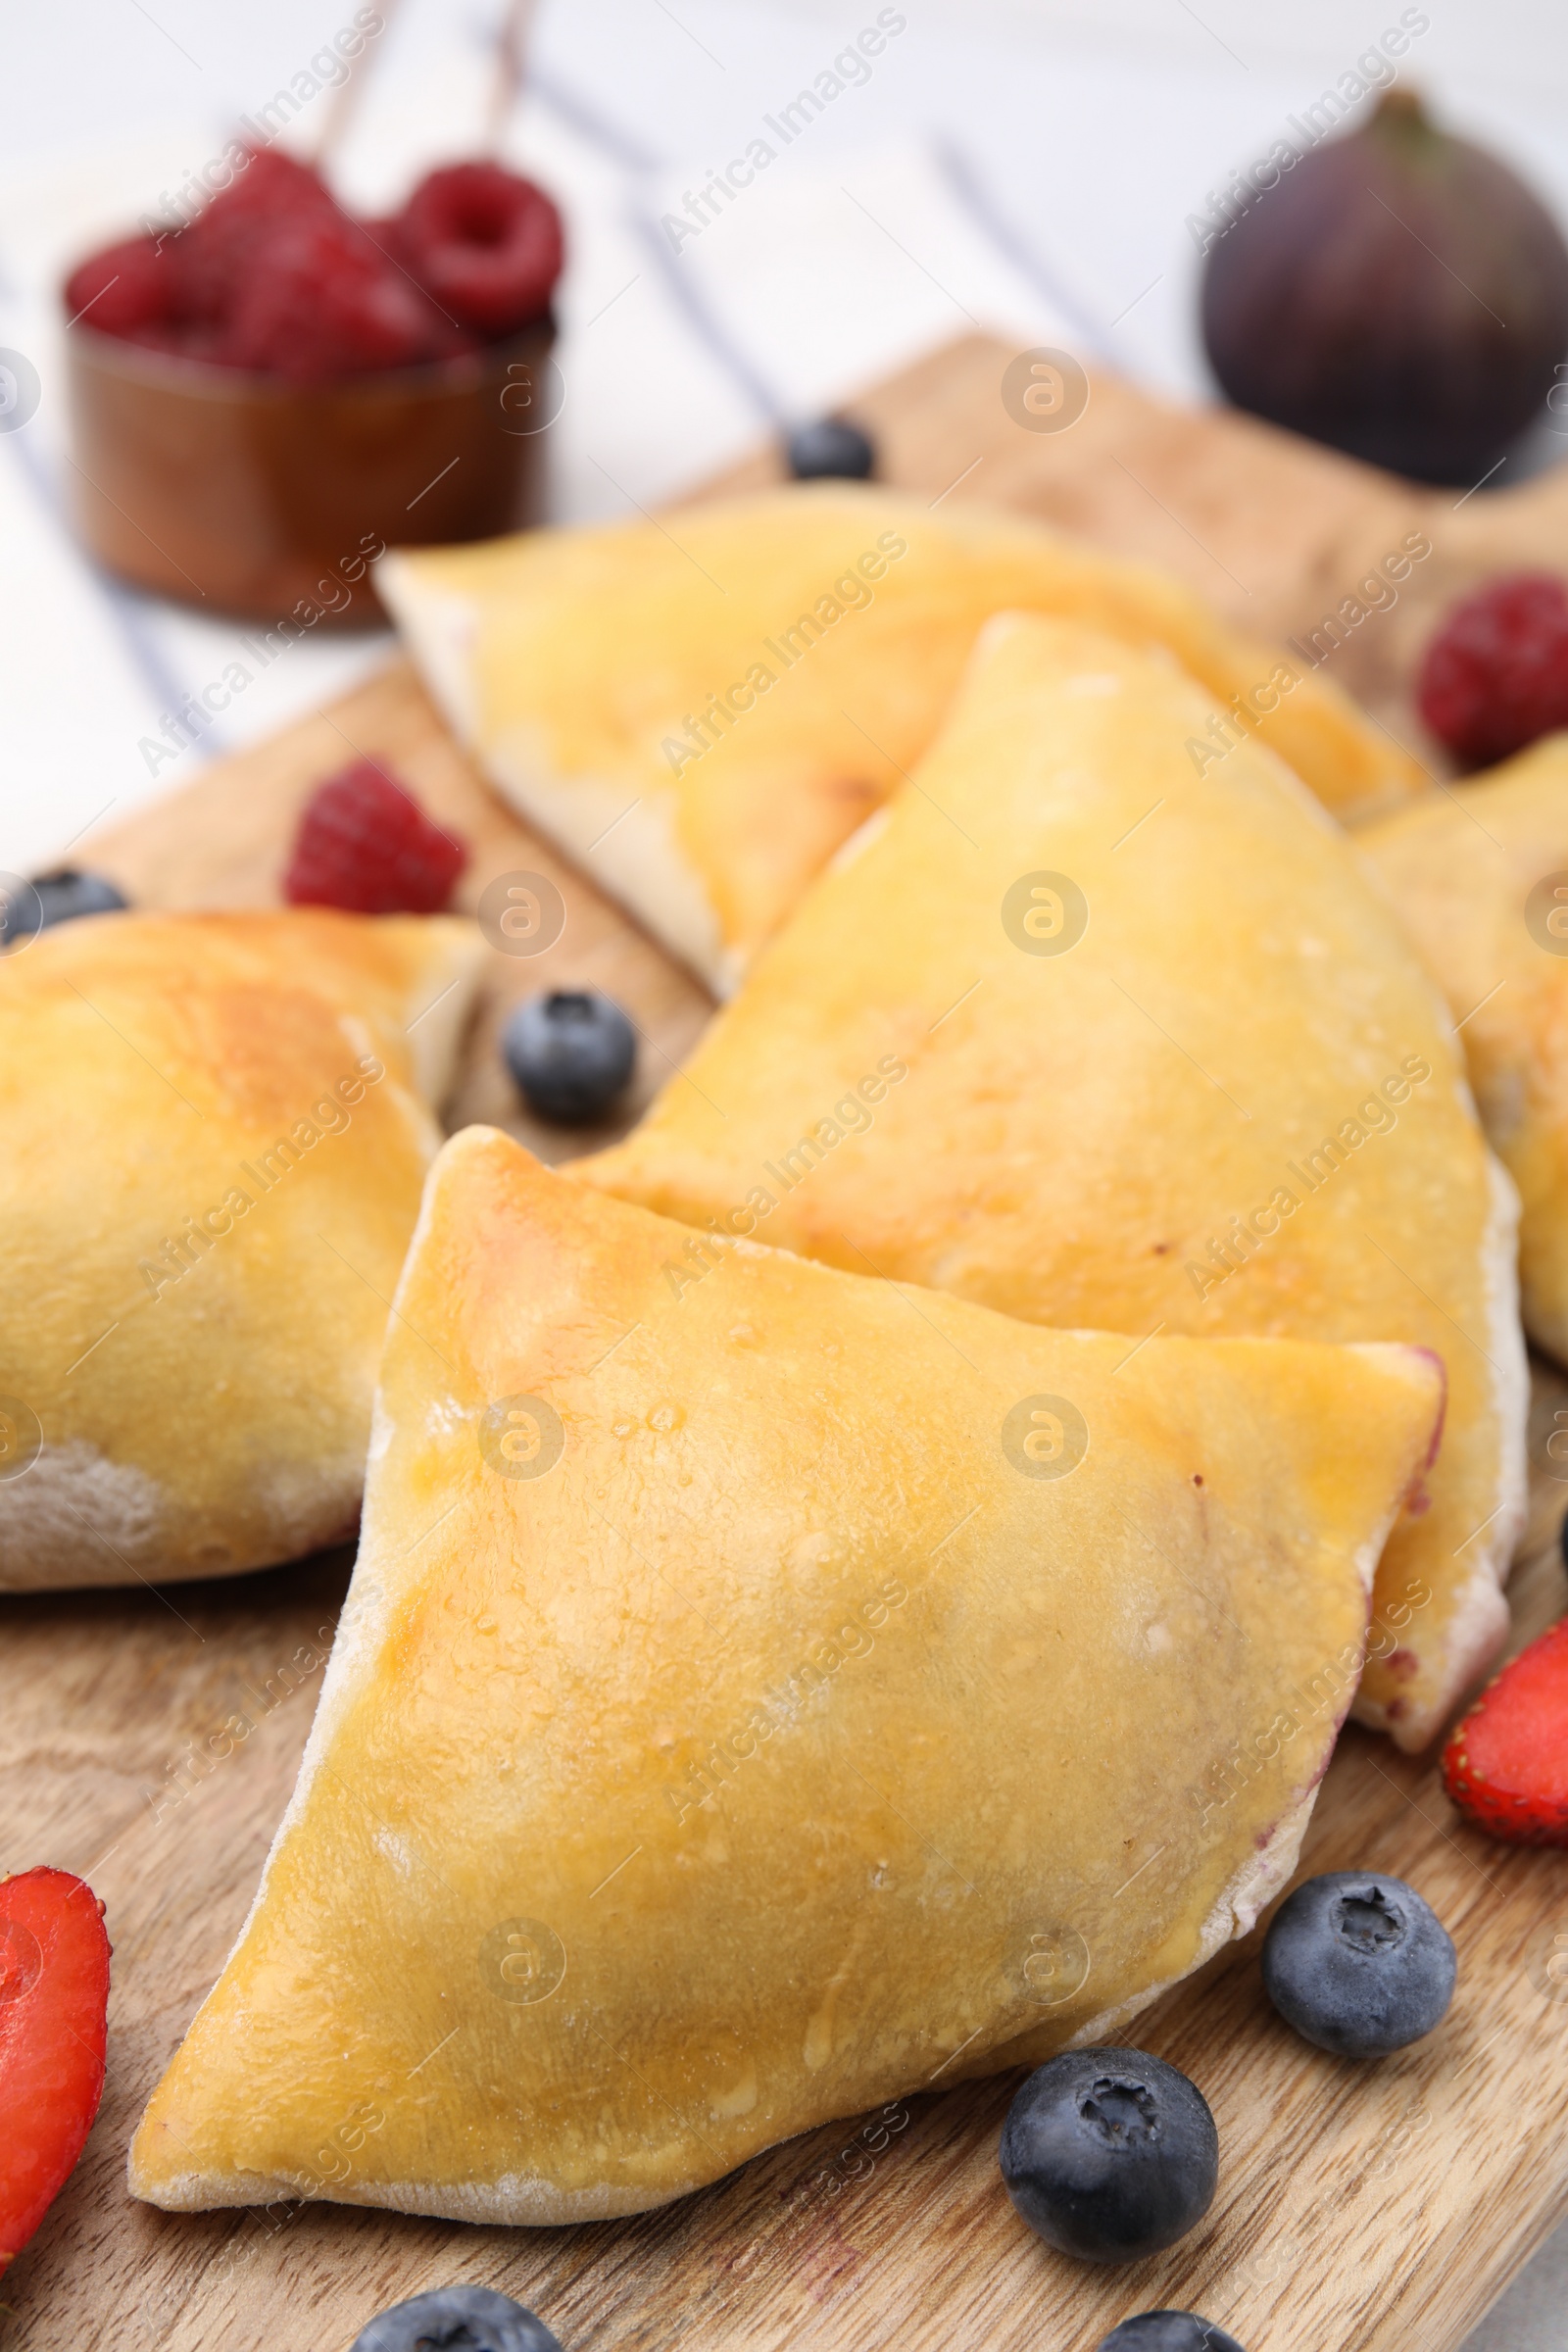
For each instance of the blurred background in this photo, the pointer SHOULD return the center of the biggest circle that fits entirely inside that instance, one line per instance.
(1029, 168)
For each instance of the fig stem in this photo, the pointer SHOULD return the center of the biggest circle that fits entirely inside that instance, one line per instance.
(1399, 109)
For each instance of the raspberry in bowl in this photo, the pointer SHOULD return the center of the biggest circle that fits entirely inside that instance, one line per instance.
(265, 398)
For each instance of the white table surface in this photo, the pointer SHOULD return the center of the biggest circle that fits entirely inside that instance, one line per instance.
(1024, 164)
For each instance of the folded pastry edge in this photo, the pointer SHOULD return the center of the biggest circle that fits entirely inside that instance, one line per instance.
(441, 626)
(638, 859)
(1479, 1625)
(433, 1032)
(353, 1651)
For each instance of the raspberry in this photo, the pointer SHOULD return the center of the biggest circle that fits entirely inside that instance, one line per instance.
(125, 290)
(318, 300)
(364, 843)
(273, 275)
(212, 256)
(1496, 674)
(485, 244)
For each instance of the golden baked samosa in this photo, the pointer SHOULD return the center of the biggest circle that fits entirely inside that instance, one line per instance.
(1479, 876)
(762, 1698)
(214, 1131)
(701, 709)
(1097, 1040)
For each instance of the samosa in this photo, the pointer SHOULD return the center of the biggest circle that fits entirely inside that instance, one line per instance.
(1479, 876)
(702, 708)
(1094, 1039)
(213, 1132)
(763, 1700)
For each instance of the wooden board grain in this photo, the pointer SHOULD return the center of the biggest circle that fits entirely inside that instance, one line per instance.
(1276, 532)
(1358, 2206)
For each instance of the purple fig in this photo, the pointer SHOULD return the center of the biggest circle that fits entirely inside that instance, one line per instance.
(1398, 294)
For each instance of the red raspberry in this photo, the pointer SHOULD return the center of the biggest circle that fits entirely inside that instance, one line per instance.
(1496, 675)
(447, 339)
(364, 843)
(212, 256)
(125, 290)
(485, 243)
(318, 300)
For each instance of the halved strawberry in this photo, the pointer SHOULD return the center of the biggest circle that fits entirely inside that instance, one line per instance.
(54, 1995)
(1507, 1765)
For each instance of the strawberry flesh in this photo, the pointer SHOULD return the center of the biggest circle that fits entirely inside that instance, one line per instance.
(53, 1996)
(1507, 1765)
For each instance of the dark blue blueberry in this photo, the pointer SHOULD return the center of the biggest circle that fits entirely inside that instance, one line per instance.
(830, 446)
(571, 1052)
(1168, 2331)
(1109, 2154)
(456, 2318)
(56, 898)
(1358, 1963)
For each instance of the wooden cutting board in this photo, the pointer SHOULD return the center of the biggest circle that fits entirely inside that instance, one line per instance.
(1375, 2206)
(1286, 539)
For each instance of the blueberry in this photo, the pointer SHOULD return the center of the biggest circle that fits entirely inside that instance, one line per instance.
(456, 2318)
(830, 446)
(571, 1053)
(56, 898)
(1109, 2154)
(1358, 1963)
(1168, 2331)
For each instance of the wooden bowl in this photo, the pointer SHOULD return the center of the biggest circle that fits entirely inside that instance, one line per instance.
(244, 495)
